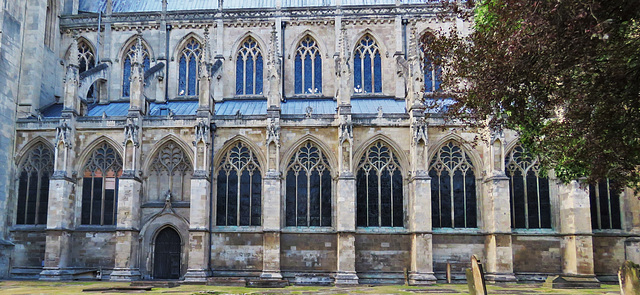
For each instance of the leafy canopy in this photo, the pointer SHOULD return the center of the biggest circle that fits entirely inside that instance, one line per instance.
(565, 74)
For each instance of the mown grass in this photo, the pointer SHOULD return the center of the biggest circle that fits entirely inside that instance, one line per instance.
(56, 288)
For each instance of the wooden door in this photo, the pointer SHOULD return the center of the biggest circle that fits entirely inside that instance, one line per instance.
(166, 264)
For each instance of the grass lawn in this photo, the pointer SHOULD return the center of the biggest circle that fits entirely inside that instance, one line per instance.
(37, 287)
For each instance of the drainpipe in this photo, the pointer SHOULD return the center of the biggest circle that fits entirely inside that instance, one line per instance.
(213, 133)
(284, 25)
(404, 36)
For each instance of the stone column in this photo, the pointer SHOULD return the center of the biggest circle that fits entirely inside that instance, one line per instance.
(62, 195)
(631, 223)
(496, 212)
(200, 209)
(420, 226)
(272, 199)
(129, 194)
(577, 243)
(346, 200)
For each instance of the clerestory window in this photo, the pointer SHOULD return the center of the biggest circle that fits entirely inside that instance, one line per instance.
(432, 72)
(453, 188)
(367, 66)
(239, 188)
(308, 67)
(188, 68)
(308, 188)
(33, 186)
(128, 62)
(529, 191)
(379, 188)
(249, 66)
(100, 186)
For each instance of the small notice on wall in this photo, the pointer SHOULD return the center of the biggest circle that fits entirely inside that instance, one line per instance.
(110, 183)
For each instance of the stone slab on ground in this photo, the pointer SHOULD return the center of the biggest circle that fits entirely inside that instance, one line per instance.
(156, 284)
(130, 289)
(226, 281)
(258, 283)
(575, 282)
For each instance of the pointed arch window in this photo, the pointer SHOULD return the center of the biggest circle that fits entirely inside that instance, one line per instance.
(308, 67)
(432, 72)
(188, 68)
(249, 66)
(529, 191)
(170, 171)
(308, 188)
(100, 186)
(86, 57)
(239, 188)
(128, 62)
(453, 188)
(605, 206)
(33, 186)
(367, 66)
(379, 188)
(50, 23)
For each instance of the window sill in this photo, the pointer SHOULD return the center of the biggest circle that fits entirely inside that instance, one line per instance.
(98, 228)
(248, 97)
(307, 229)
(236, 229)
(533, 231)
(28, 227)
(456, 231)
(381, 230)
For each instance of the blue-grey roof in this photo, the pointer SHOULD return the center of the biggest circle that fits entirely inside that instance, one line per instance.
(175, 5)
(53, 111)
(371, 105)
(188, 107)
(111, 109)
(319, 106)
(246, 107)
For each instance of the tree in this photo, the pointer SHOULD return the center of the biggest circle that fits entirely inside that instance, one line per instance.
(565, 74)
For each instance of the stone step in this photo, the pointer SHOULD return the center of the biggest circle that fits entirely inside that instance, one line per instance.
(226, 281)
(157, 284)
(130, 289)
(259, 283)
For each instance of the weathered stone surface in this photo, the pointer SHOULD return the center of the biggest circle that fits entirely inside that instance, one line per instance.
(629, 278)
(475, 278)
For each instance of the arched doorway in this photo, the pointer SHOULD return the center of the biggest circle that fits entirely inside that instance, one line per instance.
(166, 262)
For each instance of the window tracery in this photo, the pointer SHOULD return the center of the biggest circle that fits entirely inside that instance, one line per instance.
(453, 188)
(239, 188)
(308, 67)
(170, 171)
(432, 72)
(249, 67)
(33, 186)
(379, 188)
(100, 186)
(308, 188)
(86, 57)
(605, 206)
(367, 66)
(530, 205)
(189, 68)
(127, 63)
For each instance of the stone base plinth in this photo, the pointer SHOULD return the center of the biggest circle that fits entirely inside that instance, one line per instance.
(196, 276)
(125, 275)
(498, 278)
(575, 282)
(270, 275)
(346, 278)
(267, 283)
(421, 279)
(55, 274)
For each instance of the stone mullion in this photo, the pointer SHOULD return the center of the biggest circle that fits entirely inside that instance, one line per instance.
(496, 207)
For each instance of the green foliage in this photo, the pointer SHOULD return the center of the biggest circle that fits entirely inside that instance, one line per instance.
(565, 74)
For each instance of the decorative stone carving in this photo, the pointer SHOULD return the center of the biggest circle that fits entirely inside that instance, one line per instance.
(63, 134)
(419, 131)
(343, 69)
(308, 112)
(274, 69)
(273, 131)
(202, 133)
(131, 132)
(346, 129)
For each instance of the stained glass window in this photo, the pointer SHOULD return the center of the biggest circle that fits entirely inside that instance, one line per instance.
(170, 170)
(239, 188)
(308, 188)
(100, 186)
(188, 68)
(379, 188)
(367, 66)
(308, 67)
(529, 191)
(249, 68)
(432, 72)
(605, 206)
(127, 63)
(453, 188)
(33, 186)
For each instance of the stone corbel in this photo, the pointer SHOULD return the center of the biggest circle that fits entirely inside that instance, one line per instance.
(273, 143)
(345, 137)
(201, 144)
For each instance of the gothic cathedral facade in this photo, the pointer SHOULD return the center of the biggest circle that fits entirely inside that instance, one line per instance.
(269, 139)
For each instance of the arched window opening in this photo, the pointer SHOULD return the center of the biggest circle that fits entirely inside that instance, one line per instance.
(33, 186)
(50, 24)
(453, 188)
(189, 69)
(308, 67)
(128, 62)
(100, 186)
(308, 188)
(170, 171)
(529, 192)
(87, 61)
(379, 188)
(239, 188)
(367, 66)
(605, 206)
(432, 72)
(249, 68)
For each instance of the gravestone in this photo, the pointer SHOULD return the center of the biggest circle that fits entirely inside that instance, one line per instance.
(475, 278)
(629, 277)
